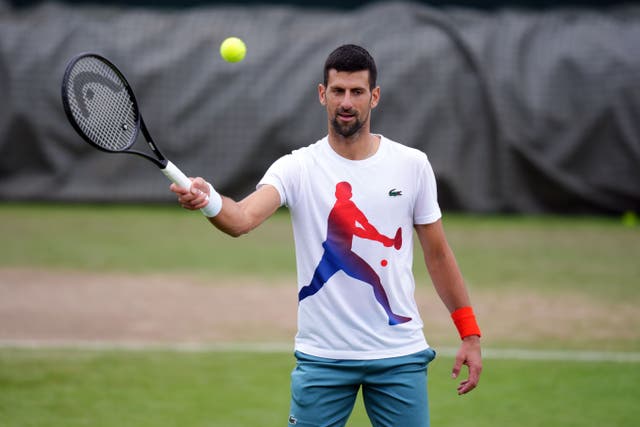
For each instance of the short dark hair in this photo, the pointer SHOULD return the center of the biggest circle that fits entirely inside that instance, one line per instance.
(350, 58)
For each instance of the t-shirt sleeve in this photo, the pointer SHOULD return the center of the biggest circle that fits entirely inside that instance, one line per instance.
(427, 209)
(284, 175)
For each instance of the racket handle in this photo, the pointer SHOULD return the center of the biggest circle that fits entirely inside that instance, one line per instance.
(214, 200)
(175, 175)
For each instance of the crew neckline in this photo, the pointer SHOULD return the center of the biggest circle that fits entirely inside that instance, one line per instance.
(362, 162)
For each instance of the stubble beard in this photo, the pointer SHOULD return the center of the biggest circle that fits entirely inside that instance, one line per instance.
(349, 129)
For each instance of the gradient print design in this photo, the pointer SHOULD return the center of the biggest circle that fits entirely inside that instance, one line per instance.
(346, 221)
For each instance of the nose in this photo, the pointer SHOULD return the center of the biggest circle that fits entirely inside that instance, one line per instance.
(346, 103)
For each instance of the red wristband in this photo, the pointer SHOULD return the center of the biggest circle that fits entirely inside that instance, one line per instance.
(465, 321)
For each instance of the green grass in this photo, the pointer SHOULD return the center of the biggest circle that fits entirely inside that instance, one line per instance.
(597, 257)
(138, 389)
(64, 388)
(138, 239)
(594, 255)
(551, 393)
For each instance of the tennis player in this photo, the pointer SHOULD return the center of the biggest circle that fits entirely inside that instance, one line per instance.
(353, 196)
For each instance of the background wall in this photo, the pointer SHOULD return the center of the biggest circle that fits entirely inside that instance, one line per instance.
(519, 110)
(349, 4)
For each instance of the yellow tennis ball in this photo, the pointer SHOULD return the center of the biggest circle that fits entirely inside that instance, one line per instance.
(233, 49)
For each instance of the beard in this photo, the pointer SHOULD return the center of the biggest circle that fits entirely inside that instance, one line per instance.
(346, 129)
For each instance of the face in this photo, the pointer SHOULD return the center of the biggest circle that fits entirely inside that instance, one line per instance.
(348, 100)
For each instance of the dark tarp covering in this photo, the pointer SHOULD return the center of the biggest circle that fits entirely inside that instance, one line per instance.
(518, 111)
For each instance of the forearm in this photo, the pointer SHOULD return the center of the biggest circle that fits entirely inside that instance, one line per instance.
(442, 266)
(448, 282)
(231, 217)
(238, 218)
(447, 279)
(368, 232)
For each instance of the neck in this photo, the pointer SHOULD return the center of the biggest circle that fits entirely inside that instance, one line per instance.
(359, 146)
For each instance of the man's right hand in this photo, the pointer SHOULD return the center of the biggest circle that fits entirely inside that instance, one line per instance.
(195, 197)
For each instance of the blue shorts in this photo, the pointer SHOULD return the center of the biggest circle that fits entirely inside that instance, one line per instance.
(394, 390)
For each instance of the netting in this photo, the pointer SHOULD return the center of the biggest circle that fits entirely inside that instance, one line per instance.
(100, 104)
(518, 111)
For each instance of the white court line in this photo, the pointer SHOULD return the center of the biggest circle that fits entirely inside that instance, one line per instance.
(491, 353)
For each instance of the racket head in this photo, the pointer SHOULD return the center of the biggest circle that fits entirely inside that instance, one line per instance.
(99, 103)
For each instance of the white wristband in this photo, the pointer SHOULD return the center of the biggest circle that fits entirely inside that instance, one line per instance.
(214, 206)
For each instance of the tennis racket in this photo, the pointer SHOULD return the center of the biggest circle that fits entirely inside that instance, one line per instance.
(102, 108)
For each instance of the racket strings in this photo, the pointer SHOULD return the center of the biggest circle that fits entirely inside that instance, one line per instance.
(101, 104)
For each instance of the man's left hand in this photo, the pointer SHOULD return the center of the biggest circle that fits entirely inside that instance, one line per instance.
(469, 354)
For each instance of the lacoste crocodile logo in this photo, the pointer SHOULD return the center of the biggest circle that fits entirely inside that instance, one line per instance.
(394, 193)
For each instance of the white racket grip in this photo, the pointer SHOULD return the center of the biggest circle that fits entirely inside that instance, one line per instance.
(175, 175)
(214, 200)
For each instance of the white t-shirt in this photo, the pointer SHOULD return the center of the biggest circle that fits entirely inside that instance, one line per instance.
(393, 188)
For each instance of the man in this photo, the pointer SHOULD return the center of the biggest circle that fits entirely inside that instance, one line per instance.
(349, 335)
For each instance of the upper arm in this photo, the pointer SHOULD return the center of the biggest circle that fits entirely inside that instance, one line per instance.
(432, 239)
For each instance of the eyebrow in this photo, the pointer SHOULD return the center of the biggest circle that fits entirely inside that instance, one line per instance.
(337, 86)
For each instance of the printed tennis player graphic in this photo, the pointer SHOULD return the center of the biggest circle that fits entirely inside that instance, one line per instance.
(346, 221)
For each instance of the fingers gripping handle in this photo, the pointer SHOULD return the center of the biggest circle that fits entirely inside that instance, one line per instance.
(214, 200)
(175, 175)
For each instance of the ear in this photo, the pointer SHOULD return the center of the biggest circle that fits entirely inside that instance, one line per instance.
(322, 92)
(375, 96)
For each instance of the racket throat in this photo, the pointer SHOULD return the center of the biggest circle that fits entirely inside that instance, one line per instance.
(151, 144)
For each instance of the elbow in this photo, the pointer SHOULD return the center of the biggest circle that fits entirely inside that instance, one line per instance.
(233, 230)
(237, 233)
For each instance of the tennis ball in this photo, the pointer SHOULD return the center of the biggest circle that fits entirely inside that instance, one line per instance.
(233, 49)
